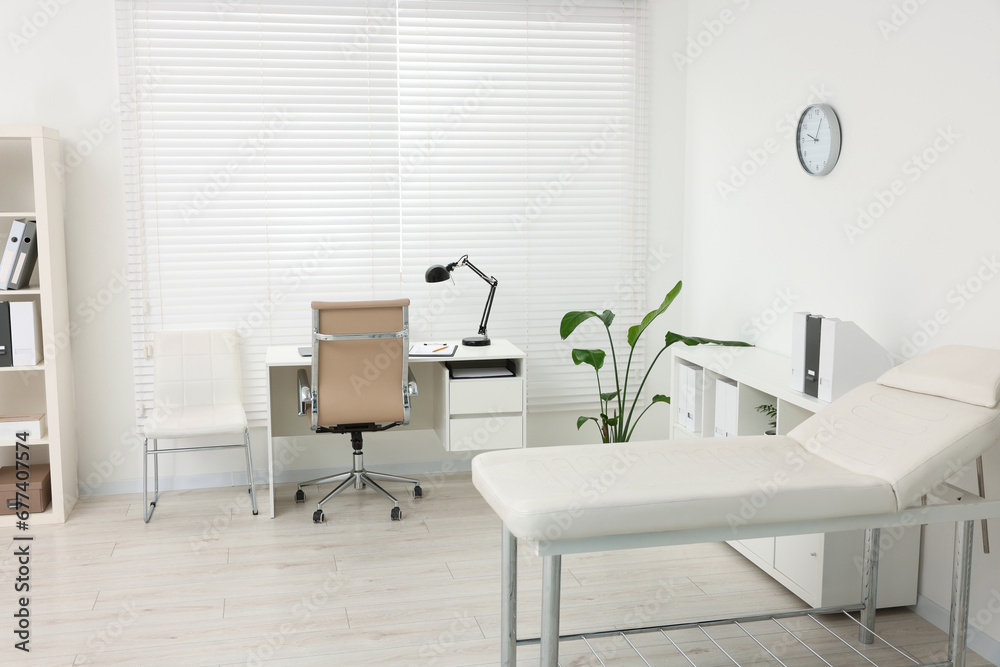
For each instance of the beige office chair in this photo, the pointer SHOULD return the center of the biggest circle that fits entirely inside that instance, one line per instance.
(361, 383)
(198, 391)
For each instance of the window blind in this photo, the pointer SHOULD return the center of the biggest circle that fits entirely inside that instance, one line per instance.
(279, 153)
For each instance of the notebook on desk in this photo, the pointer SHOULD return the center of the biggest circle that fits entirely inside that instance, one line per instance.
(433, 350)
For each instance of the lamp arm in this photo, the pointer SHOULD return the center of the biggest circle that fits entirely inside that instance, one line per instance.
(464, 260)
(489, 306)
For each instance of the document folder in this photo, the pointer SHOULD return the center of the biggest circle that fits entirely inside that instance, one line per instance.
(10, 252)
(6, 352)
(25, 257)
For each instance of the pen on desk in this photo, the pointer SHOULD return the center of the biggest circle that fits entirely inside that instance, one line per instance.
(441, 348)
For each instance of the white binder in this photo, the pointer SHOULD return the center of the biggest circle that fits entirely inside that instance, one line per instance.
(689, 379)
(799, 351)
(25, 257)
(727, 403)
(9, 257)
(25, 333)
(848, 357)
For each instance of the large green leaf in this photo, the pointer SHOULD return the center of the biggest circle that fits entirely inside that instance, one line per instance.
(575, 318)
(636, 331)
(609, 395)
(580, 421)
(593, 358)
(660, 398)
(672, 338)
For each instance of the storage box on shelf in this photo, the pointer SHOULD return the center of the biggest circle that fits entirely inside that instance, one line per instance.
(30, 187)
(822, 569)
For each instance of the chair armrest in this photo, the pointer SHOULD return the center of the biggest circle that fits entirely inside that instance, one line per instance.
(305, 392)
(411, 385)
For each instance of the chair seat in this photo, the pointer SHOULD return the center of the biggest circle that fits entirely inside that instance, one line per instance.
(195, 421)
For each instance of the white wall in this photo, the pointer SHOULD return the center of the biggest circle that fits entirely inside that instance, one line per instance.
(64, 75)
(780, 233)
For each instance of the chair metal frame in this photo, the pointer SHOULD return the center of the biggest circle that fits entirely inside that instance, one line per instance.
(155, 452)
(309, 401)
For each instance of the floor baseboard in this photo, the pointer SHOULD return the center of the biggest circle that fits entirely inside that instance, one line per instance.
(979, 641)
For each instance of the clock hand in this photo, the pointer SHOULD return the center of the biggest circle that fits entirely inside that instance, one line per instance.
(819, 126)
(812, 137)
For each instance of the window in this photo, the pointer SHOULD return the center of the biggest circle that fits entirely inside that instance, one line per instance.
(277, 154)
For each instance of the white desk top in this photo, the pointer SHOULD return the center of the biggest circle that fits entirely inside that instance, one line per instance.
(288, 355)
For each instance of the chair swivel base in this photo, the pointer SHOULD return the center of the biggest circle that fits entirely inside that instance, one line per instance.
(360, 479)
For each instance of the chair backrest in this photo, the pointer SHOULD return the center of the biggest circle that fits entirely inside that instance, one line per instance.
(360, 362)
(197, 368)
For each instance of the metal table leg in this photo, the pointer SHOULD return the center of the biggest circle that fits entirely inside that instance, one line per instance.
(551, 583)
(508, 598)
(869, 586)
(961, 578)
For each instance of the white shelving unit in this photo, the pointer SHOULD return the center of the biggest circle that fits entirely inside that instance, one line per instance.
(31, 186)
(822, 569)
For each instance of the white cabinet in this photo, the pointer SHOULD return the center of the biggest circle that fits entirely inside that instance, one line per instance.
(822, 569)
(484, 413)
(31, 187)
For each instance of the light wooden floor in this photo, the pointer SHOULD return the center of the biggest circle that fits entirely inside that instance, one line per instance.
(207, 583)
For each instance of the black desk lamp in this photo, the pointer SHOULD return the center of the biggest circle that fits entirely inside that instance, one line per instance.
(438, 273)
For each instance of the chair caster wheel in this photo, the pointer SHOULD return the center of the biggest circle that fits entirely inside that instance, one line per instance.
(255, 513)
(418, 492)
(300, 496)
(397, 514)
(318, 516)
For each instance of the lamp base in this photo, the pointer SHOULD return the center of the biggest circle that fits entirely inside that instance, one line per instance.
(476, 341)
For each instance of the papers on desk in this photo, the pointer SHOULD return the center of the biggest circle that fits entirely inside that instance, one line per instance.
(432, 350)
(463, 372)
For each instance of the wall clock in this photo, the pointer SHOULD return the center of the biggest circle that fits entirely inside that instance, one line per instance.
(817, 139)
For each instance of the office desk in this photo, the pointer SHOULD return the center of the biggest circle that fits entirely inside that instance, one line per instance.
(466, 414)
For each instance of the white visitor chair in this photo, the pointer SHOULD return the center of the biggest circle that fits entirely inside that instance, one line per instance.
(197, 387)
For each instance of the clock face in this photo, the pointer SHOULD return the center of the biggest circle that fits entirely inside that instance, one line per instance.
(818, 139)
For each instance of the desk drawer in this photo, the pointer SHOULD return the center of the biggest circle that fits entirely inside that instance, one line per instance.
(485, 396)
(481, 433)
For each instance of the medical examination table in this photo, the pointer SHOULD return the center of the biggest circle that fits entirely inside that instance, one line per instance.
(878, 457)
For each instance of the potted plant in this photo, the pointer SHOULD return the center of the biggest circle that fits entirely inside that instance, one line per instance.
(771, 412)
(615, 424)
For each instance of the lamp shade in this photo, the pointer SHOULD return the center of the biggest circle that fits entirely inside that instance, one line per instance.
(437, 274)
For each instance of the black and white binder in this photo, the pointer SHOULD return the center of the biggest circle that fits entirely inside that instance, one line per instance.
(9, 256)
(6, 352)
(24, 258)
(814, 328)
